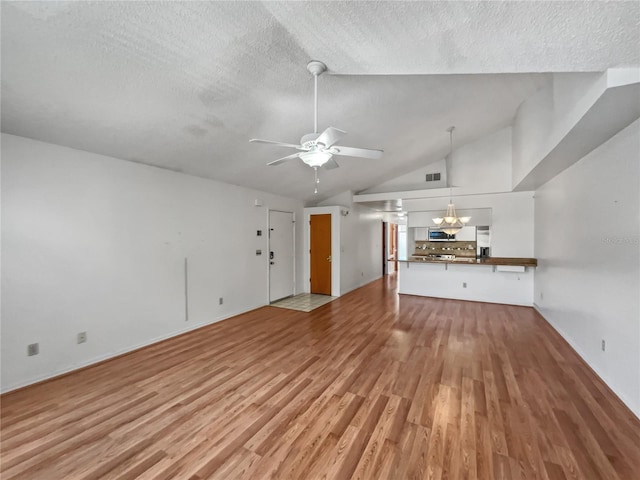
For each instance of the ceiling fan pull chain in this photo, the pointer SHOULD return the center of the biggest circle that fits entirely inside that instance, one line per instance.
(316, 180)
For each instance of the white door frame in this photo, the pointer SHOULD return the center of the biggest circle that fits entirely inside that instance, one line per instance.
(336, 218)
(293, 253)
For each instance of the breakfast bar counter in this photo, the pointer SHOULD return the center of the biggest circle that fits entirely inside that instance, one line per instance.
(507, 280)
(513, 261)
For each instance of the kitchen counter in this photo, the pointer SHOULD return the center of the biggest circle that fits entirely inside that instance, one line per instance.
(503, 261)
(494, 279)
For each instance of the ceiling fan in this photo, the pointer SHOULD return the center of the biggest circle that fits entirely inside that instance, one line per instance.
(317, 150)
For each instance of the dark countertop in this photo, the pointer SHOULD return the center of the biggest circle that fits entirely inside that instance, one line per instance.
(513, 261)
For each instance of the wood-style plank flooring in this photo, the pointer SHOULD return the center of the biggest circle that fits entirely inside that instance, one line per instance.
(369, 386)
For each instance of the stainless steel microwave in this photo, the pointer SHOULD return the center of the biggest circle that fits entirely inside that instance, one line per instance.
(440, 236)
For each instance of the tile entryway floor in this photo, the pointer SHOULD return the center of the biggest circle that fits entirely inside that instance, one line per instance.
(303, 302)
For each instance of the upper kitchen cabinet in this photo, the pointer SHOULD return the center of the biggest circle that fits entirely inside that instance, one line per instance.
(421, 233)
(466, 234)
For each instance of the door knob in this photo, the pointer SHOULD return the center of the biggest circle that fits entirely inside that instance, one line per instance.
(329, 258)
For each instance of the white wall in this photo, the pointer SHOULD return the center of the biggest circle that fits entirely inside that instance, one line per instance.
(360, 243)
(587, 240)
(415, 179)
(546, 117)
(361, 246)
(483, 166)
(96, 244)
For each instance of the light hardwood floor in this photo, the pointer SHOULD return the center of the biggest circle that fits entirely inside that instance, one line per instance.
(369, 386)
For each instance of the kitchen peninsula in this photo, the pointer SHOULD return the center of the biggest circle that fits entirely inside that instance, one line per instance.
(493, 280)
(455, 269)
(495, 261)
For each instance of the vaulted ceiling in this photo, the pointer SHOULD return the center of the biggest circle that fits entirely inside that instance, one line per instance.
(185, 85)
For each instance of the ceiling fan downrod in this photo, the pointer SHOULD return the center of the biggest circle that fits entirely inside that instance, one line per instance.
(316, 68)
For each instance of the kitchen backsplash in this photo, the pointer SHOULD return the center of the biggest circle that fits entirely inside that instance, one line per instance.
(458, 248)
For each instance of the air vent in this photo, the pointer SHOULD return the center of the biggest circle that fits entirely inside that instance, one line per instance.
(433, 177)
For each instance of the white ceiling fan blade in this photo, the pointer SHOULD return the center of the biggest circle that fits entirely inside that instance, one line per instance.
(330, 136)
(283, 159)
(358, 152)
(258, 140)
(331, 164)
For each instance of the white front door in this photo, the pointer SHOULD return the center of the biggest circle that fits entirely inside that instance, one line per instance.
(281, 263)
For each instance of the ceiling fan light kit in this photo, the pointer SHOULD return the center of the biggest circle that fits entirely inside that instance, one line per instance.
(317, 150)
(315, 158)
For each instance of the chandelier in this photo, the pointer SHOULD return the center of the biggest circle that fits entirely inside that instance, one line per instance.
(450, 223)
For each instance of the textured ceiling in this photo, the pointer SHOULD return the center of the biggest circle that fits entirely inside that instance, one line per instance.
(185, 85)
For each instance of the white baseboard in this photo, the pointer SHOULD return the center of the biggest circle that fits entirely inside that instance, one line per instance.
(582, 355)
(101, 358)
(362, 284)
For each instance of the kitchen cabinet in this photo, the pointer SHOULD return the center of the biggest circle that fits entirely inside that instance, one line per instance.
(466, 234)
(421, 233)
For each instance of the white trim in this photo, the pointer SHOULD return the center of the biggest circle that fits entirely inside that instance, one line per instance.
(581, 354)
(293, 232)
(363, 283)
(334, 211)
(108, 356)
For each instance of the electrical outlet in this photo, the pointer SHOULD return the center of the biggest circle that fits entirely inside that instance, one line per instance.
(604, 345)
(82, 337)
(464, 284)
(33, 349)
(220, 301)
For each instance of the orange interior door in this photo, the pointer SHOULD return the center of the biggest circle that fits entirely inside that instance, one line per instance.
(395, 246)
(320, 254)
